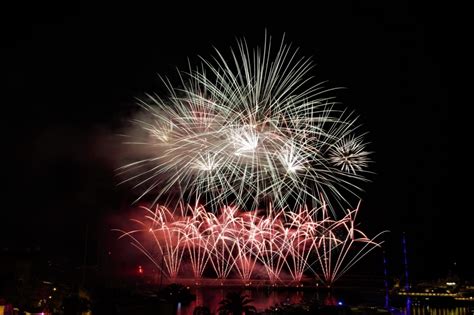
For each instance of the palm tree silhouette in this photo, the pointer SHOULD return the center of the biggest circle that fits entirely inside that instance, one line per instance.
(201, 310)
(236, 304)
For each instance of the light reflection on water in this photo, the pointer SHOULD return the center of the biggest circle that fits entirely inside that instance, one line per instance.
(263, 299)
(426, 310)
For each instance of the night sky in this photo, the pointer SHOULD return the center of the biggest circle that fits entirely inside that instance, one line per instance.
(73, 71)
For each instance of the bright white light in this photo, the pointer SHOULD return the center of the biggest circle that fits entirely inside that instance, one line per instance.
(245, 140)
(290, 159)
(205, 162)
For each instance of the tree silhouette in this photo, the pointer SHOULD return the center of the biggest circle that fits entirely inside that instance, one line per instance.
(201, 310)
(176, 293)
(236, 304)
(74, 304)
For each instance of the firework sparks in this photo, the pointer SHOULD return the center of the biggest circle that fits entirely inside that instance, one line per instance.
(350, 155)
(245, 133)
(233, 242)
(250, 130)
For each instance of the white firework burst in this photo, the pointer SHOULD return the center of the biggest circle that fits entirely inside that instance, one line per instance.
(349, 155)
(249, 128)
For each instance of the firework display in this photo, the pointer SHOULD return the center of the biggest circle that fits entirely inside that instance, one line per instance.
(267, 160)
(233, 243)
(247, 131)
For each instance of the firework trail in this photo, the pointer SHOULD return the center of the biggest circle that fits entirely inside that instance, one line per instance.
(232, 242)
(247, 129)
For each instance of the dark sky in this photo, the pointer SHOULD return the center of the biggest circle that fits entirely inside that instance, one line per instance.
(74, 69)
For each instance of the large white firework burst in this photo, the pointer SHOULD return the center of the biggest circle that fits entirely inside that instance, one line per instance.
(247, 129)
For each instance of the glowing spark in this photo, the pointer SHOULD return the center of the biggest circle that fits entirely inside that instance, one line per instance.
(206, 162)
(245, 139)
(291, 160)
(350, 155)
